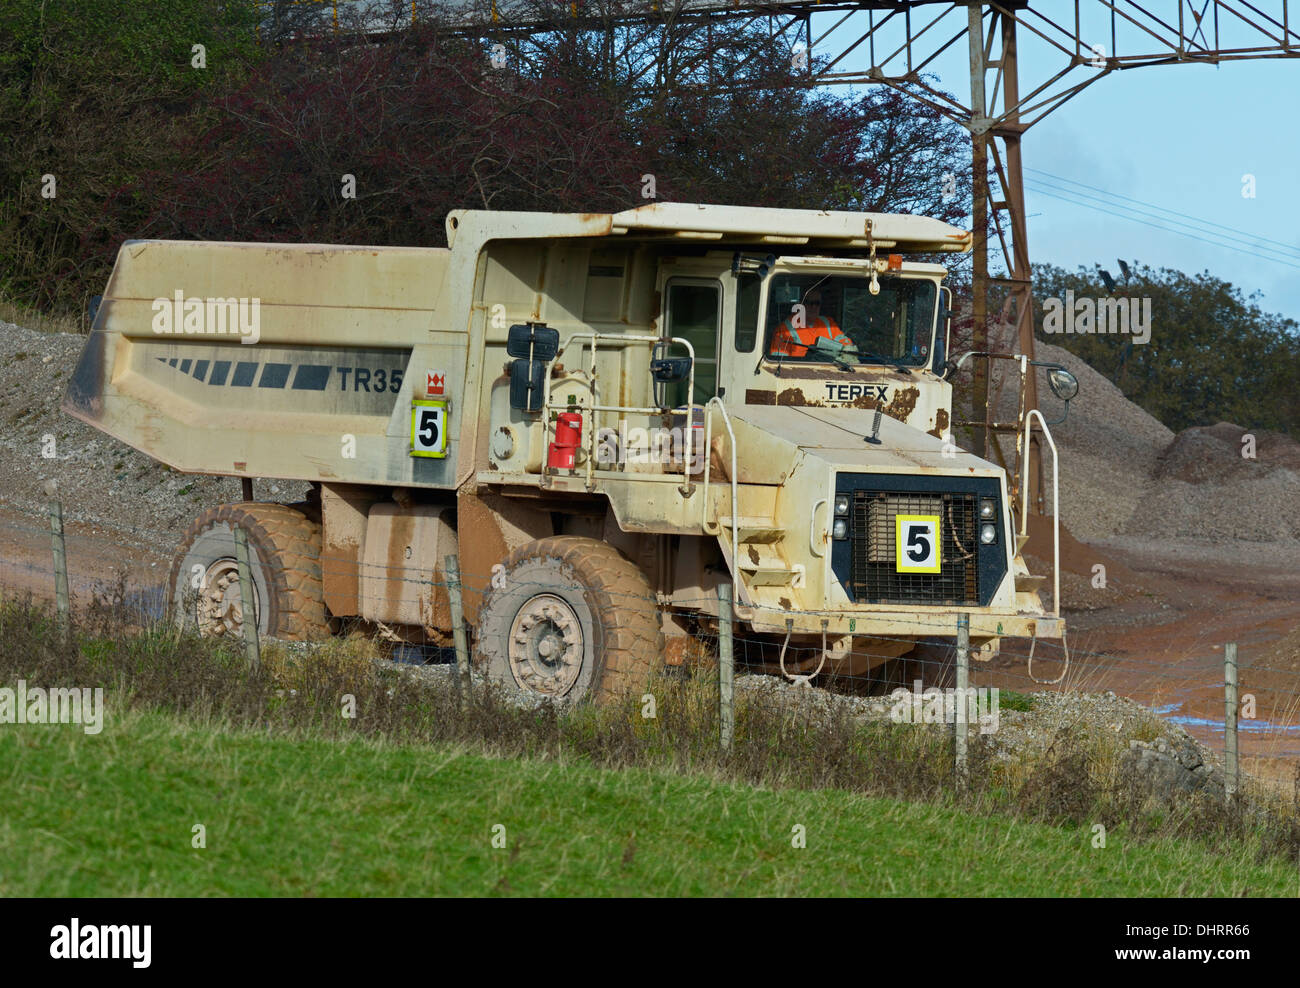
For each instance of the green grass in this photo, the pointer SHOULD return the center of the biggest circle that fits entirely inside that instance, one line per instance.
(299, 816)
(1011, 700)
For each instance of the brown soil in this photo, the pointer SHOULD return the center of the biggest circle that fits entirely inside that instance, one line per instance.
(1157, 632)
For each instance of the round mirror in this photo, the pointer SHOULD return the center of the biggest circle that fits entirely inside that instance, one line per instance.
(1063, 384)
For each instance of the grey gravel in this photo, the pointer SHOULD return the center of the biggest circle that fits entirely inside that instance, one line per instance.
(1111, 720)
(1126, 476)
(98, 479)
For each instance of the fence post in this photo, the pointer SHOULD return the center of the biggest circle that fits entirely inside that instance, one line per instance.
(961, 708)
(452, 568)
(1230, 717)
(248, 601)
(62, 604)
(726, 667)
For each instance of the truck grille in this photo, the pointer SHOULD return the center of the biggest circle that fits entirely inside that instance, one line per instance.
(874, 574)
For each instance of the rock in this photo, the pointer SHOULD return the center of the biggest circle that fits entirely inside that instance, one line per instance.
(1170, 773)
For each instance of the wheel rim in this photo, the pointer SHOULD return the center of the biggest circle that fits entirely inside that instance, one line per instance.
(220, 608)
(546, 645)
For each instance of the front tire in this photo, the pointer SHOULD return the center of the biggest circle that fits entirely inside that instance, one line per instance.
(570, 618)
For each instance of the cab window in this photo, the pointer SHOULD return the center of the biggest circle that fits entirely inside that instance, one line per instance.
(693, 312)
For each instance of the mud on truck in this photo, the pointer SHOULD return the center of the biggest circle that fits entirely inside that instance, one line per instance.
(605, 417)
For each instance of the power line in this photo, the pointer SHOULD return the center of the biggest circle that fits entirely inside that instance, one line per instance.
(1056, 193)
(1288, 254)
(1251, 239)
(1163, 209)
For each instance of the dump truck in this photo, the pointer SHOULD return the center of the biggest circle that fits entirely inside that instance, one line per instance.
(605, 418)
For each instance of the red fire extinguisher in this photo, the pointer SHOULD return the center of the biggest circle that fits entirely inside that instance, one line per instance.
(568, 437)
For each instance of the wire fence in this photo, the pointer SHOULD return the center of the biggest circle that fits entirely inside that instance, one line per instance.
(432, 612)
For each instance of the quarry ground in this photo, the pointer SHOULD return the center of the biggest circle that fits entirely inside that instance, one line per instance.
(1200, 546)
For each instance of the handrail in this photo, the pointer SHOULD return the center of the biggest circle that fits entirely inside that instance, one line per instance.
(812, 528)
(1056, 506)
(595, 406)
(704, 501)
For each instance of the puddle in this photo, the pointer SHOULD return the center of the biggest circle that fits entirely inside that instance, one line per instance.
(1243, 726)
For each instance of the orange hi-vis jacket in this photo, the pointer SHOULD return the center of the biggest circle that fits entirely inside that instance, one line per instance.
(790, 342)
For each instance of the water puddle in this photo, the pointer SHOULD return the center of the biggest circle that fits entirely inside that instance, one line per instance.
(1243, 726)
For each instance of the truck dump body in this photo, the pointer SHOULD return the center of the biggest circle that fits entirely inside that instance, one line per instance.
(330, 335)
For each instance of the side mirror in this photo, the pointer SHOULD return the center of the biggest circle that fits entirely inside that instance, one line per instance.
(667, 371)
(670, 370)
(1063, 384)
(533, 344)
(943, 335)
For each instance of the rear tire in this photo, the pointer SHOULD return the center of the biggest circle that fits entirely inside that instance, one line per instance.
(571, 619)
(284, 556)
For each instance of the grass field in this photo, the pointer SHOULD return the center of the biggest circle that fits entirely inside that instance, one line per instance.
(112, 814)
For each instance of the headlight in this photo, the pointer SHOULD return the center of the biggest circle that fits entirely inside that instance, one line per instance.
(840, 529)
(841, 504)
(988, 509)
(988, 533)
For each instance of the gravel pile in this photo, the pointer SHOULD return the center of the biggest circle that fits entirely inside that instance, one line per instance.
(1125, 475)
(1108, 448)
(1206, 489)
(98, 479)
(1019, 733)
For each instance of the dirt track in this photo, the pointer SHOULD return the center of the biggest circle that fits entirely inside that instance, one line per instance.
(1161, 642)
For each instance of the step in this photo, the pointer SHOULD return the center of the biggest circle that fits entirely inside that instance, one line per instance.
(1020, 542)
(1030, 584)
(1028, 603)
(752, 528)
(763, 565)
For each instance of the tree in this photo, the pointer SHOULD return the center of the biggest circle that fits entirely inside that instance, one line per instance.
(92, 93)
(1213, 354)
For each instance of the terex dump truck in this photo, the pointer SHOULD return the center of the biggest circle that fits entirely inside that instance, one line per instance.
(603, 416)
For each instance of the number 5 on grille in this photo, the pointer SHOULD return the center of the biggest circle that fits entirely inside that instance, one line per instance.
(917, 543)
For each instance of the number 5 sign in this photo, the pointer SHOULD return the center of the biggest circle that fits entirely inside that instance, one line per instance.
(917, 542)
(428, 428)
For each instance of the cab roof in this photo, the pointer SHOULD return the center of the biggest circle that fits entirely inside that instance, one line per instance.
(751, 225)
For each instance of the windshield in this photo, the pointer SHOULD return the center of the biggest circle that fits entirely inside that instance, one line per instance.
(893, 327)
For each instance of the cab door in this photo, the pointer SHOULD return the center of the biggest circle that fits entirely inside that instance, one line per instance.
(693, 311)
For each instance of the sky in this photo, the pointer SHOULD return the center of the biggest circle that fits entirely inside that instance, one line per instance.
(1174, 138)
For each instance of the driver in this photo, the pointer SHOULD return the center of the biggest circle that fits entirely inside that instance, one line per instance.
(794, 341)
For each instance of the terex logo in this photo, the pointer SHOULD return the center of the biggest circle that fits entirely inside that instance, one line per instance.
(220, 316)
(91, 942)
(852, 392)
